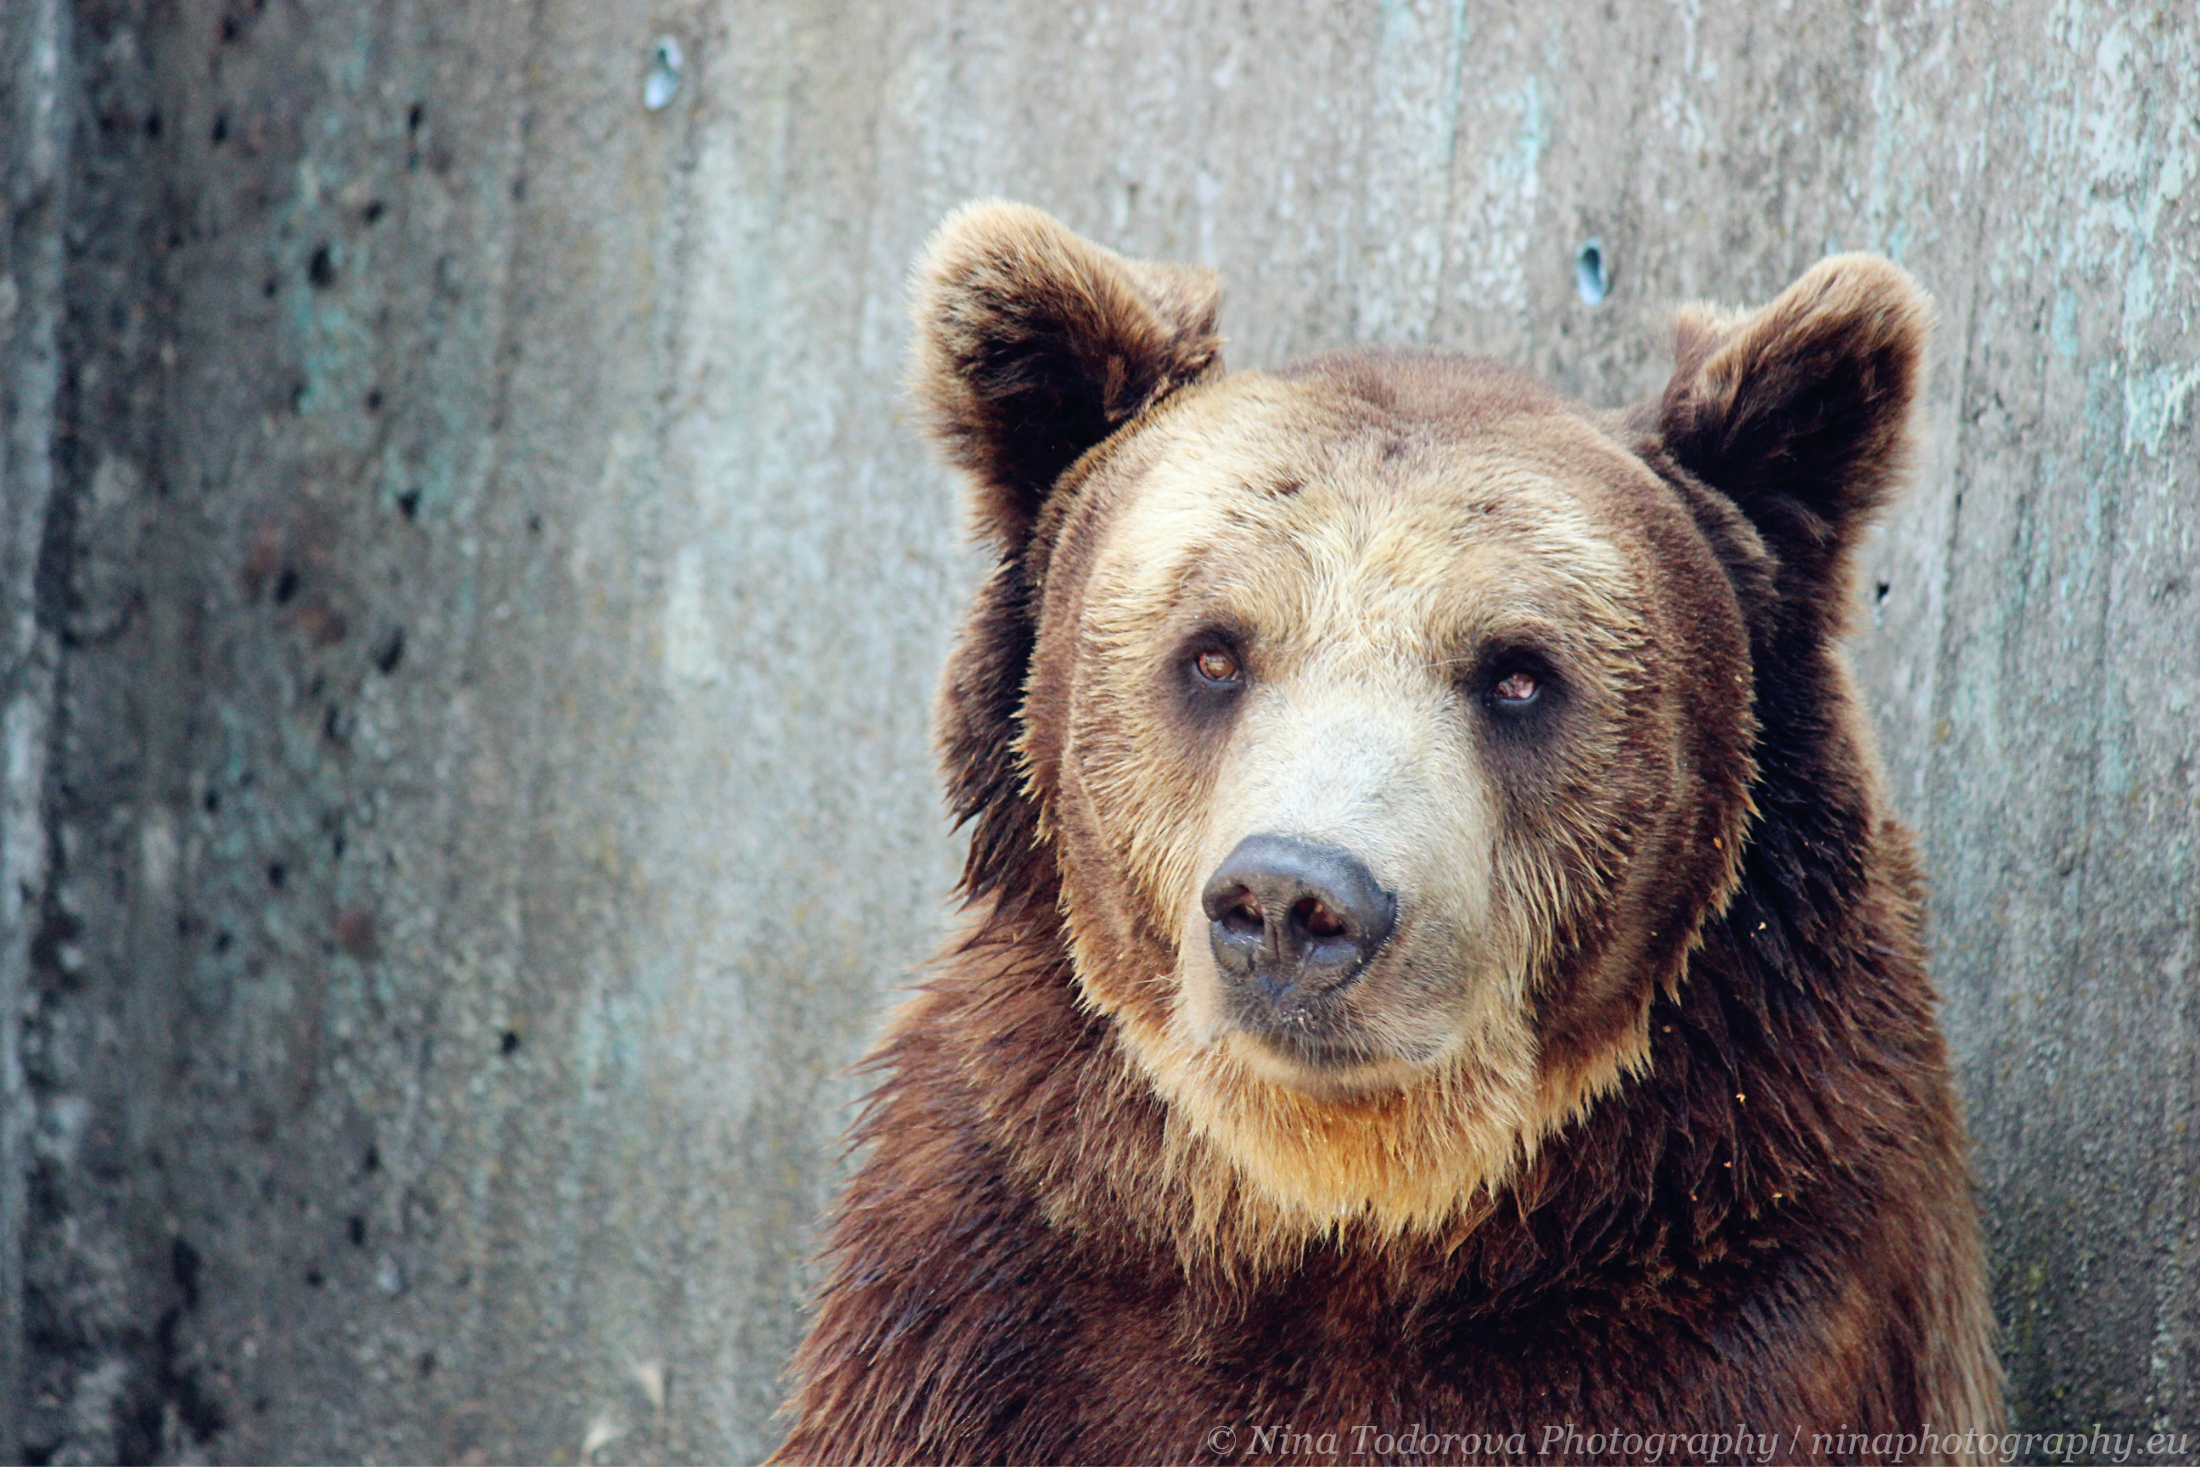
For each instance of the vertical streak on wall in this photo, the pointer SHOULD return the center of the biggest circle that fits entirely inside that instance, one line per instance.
(35, 118)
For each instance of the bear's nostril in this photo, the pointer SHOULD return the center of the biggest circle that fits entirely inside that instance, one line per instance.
(1317, 919)
(1245, 914)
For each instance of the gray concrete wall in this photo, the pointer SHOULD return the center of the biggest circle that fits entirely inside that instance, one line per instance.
(468, 791)
(34, 118)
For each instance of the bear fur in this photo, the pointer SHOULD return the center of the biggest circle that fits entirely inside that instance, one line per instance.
(1636, 1120)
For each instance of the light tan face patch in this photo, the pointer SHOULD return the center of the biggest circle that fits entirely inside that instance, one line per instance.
(1375, 583)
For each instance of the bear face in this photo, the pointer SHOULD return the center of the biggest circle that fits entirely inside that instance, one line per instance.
(1390, 719)
(1452, 650)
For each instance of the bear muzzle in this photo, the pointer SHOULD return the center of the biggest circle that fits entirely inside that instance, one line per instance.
(1290, 923)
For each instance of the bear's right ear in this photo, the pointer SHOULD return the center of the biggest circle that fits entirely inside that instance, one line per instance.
(1032, 345)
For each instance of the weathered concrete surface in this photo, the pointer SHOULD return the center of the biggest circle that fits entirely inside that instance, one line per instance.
(494, 600)
(34, 117)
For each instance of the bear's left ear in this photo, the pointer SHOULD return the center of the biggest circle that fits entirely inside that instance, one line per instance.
(1800, 412)
(1033, 344)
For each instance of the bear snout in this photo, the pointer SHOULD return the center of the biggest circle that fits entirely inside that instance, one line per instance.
(1290, 921)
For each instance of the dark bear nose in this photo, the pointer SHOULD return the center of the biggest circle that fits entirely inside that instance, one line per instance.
(1287, 915)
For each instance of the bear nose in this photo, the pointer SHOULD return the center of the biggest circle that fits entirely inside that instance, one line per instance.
(1286, 915)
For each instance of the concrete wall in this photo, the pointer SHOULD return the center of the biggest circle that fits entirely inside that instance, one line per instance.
(467, 787)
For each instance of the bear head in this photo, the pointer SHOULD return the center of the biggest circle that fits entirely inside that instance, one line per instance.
(1377, 736)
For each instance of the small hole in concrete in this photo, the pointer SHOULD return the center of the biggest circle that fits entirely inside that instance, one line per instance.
(391, 652)
(1881, 596)
(276, 874)
(408, 504)
(509, 1043)
(1592, 274)
(663, 81)
(321, 269)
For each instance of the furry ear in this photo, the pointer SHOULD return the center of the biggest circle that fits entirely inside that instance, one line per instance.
(1032, 345)
(1800, 412)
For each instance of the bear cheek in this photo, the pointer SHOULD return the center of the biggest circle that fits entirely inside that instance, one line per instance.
(1618, 853)
(1131, 821)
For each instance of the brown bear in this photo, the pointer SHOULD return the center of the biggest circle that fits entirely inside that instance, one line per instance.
(1441, 981)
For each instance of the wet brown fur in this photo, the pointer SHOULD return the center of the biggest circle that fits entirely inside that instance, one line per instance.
(1730, 1188)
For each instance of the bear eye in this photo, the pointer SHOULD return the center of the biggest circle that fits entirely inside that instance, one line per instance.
(1217, 665)
(1516, 689)
(1516, 686)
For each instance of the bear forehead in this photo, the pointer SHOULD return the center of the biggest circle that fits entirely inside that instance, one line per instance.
(1432, 498)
